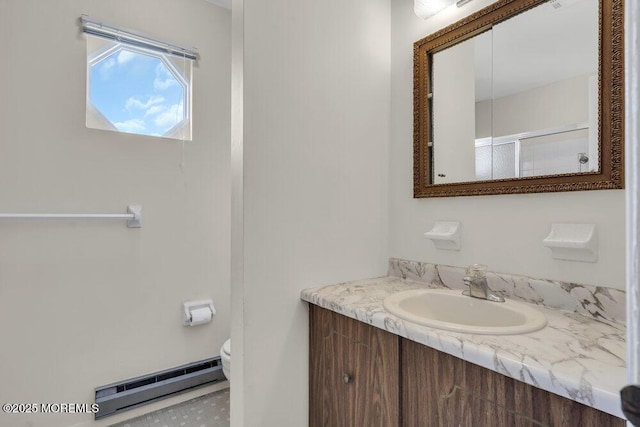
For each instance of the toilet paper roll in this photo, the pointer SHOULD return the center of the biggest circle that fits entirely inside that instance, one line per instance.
(200, 316)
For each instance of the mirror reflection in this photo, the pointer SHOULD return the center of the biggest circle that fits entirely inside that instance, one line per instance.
(520, 99)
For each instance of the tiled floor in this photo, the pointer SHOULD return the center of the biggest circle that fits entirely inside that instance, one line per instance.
(210, 410)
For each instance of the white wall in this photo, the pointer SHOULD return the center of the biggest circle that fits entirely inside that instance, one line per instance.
(632, 159)
(86, 304)
(504, 232)
(237, 212)
(316, 132)
(557, 104)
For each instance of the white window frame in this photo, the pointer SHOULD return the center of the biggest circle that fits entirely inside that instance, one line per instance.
(94, 58)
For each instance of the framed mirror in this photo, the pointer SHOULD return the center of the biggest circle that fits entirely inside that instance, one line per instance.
(524, 96)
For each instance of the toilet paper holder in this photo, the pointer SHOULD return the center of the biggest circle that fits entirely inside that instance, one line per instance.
(191, 306)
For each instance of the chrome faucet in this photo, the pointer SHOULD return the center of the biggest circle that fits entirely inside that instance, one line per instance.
(476, 280)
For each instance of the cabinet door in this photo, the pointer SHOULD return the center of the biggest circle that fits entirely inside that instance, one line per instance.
(442, 390)
(354, 373)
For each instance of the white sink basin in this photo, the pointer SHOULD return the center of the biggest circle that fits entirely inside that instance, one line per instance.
(450, 310)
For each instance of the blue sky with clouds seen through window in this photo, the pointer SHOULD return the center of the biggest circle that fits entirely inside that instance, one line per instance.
(137, 93)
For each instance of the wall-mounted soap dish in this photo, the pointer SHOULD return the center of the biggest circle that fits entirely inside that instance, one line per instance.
(445, 235)
(573, 242)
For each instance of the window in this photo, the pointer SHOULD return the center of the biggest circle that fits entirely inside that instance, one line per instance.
(134, 89)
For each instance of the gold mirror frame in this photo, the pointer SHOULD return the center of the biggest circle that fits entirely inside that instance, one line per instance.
(610, 103)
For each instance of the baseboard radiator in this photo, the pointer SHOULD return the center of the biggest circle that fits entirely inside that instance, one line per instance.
(129, 394)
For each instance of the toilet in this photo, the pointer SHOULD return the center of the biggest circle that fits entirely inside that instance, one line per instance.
(225, 356)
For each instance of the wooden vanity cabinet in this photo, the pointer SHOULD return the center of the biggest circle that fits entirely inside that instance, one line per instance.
(354, 373)
(363, 376)
(443, 390)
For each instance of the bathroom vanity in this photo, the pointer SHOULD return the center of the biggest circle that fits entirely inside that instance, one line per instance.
(370, 368)
(363, 376)
(353, 372)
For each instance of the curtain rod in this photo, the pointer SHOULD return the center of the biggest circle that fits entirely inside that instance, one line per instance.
(100, 29)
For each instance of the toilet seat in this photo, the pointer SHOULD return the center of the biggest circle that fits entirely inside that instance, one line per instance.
(225, 356)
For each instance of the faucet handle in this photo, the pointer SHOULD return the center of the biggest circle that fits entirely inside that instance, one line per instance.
(477, 271)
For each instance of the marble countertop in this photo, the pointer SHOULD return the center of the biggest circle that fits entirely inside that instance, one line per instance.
(574, 356)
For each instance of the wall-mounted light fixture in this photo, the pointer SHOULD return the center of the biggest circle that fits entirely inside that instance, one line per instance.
(427, 8)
